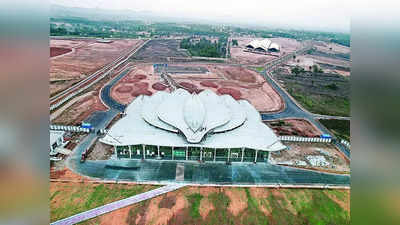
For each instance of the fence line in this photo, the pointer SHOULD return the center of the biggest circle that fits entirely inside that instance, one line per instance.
(346, 143)
(305, 139)
(69, 128)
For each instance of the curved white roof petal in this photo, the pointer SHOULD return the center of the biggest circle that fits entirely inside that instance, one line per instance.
(229, 123)
(194, 112)
(264, 44)
(274, 46)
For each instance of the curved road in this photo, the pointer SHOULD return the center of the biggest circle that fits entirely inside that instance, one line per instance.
(292, 110)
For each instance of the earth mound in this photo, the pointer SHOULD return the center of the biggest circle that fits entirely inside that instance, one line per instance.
(208, 84)
(236, 94)
(159, 86)
(124, 89)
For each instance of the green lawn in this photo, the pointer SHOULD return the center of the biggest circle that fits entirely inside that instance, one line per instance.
(324, 105)
(273, 206)
(291, 206)
(341, 128)
(67, 199)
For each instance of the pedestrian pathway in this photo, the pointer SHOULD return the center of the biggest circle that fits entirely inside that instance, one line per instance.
(117, 205)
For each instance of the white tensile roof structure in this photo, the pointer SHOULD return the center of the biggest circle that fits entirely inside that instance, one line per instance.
(181, 119)
(265, 45)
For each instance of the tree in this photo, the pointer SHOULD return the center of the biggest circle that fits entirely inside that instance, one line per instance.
(235, 42)
(297, 70)
(316, 69)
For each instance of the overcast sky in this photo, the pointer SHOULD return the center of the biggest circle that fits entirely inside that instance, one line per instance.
(331, 15)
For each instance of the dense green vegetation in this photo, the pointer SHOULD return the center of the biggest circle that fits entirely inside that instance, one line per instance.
(316, 69)
(235, 42)
(322, 104)
(194, 200)
(127, 29)
(204, 47)
(341, 128)
(318, 92)
(297, 70)
(84, 27)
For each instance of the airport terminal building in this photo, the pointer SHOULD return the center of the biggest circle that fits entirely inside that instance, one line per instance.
(184, 126)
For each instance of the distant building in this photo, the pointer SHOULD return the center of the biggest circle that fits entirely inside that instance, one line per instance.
(265, 45)
(184, 126)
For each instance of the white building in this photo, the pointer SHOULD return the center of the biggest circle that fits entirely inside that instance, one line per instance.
(185, 126)
(263, 46)
(56, 139)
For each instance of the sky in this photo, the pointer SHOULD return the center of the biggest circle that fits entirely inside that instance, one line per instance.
(333, 15)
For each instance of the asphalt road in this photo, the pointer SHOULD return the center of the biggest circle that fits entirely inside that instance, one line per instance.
(164, 172)
(292, 110)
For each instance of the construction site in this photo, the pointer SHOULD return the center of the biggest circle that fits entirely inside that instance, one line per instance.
(93, 83)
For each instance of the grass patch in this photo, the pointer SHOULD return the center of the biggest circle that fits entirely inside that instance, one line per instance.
(311, 207)
(71, 198)
(253, 215)
(54, 195)
(321, 93)
(322, 210)
(341, 128)
(324, 105)
(221, 214)
(194, 200)
(259, 69)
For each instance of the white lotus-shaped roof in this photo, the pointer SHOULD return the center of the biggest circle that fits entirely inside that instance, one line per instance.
(183, 119)
(264, 44)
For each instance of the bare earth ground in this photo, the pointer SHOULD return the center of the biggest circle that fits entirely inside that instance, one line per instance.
(215, 205)
(330, 60)
(80, 110)
(82, 107)
(70, 198)
(100, 151)
(87, 56)
(239, 82)
(299, 151)
(139, 81)
(323, 46)
(159, 50)
(297, 127)
(241, 57)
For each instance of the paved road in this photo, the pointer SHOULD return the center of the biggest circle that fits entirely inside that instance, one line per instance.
(106, 91)
(292, 110)
(116, 205)
(99, 120)
(164, 172)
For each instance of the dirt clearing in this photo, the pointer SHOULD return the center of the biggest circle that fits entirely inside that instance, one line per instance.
(86, 57)
(277, 206)
(248, 58)
(296, 127)
(141, 80)
(319, 156)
